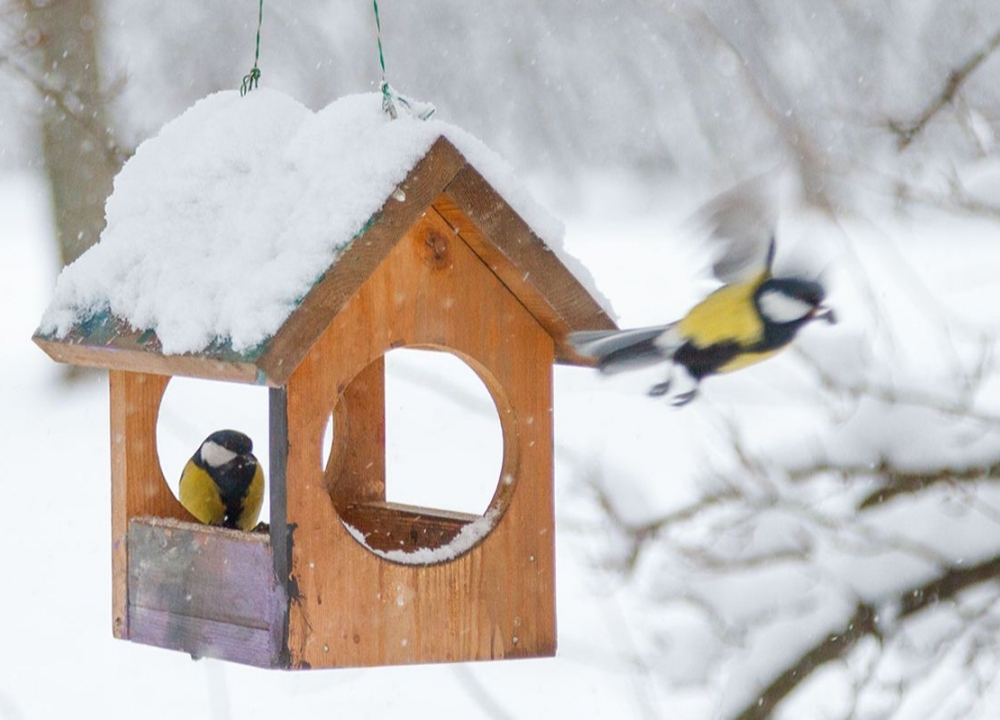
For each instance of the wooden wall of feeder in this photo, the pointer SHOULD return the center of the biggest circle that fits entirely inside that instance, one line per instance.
(343, 577)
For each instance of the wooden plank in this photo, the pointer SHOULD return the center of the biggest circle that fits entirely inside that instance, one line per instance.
(125, 352)
(203, 638)
(208, 591)
(424, 182)
(522, 261)
(392, 526)
(357, 461)
(137, 483)
(498, 599)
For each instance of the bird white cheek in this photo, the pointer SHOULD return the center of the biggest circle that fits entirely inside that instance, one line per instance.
(781, 308)
(214, 455)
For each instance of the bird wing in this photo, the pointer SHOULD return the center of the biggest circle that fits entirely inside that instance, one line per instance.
(742, 222)
(617, 350)
(200, 496)
(252, 502)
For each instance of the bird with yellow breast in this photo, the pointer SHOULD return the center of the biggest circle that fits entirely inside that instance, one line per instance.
(750, 318)
(223, 484)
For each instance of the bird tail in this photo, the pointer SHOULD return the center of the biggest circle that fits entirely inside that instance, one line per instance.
(618, 350)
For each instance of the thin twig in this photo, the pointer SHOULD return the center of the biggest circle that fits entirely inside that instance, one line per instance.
(907, 132)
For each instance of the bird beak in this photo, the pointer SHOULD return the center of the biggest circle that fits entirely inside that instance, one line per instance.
(824, 312)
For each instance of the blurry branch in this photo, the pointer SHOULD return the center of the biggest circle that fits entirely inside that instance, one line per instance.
(70, 106)
(893, 481)
(832, 647)
(899, 483)
(909, 396)
(868, 620)
(639, 534)
(907, 132)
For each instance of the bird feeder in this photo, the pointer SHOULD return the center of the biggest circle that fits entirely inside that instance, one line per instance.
(343, 577)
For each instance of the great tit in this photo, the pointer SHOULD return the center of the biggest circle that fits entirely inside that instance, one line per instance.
(747, 320)
(222, 483)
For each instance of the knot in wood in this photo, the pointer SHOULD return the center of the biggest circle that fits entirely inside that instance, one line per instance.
(436, 250)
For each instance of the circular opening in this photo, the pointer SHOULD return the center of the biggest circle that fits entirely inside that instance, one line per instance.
(443, 440)
(192, 410)
(434, 492)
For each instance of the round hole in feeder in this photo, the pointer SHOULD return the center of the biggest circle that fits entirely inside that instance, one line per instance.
(439, 487)
(191, 410)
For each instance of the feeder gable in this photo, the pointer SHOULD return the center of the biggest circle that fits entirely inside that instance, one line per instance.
(442, 182)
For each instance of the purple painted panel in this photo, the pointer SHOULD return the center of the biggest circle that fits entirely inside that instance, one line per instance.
(207, 591)
(203, 638)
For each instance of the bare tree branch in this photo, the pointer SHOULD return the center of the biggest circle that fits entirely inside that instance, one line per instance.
(907, 132)
(866, 622)
(896, 482)
(115, 153)
(907, 396)
(833, 646)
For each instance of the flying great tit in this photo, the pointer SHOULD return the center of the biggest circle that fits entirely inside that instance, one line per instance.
(223, 484)
(745, 321)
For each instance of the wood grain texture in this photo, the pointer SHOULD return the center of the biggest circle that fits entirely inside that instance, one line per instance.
(208, 591)
(357, 458)
(137, 484)
(522, 261)
(392, 526)
(497, 600)
(123, 351)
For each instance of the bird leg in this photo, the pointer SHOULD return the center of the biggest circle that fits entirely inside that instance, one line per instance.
(661, 388)
(685, 397)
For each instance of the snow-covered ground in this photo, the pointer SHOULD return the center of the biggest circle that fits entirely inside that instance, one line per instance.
(667, 639)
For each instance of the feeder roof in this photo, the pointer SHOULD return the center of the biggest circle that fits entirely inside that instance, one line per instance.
(229, 226)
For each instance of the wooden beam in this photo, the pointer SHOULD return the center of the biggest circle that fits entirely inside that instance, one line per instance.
(521, 260)
(137, 483)
(111, 344)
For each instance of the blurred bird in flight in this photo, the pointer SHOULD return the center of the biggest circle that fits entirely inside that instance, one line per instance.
(750, 318)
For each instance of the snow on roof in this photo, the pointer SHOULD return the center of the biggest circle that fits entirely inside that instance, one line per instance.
(220, 225)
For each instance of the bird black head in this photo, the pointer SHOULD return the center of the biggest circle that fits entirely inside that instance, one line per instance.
(792, 301)
(223, 446)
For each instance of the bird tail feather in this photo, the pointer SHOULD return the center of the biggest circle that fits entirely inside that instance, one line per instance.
(618, 350)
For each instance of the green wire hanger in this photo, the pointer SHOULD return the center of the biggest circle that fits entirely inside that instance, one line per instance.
(391, 98)
(251, 79)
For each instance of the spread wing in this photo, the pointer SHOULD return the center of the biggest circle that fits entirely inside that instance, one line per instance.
(742, 222)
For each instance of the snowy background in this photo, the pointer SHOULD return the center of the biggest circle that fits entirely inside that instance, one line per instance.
(816, 537)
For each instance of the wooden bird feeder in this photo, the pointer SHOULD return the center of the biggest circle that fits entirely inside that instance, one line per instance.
(477, 283)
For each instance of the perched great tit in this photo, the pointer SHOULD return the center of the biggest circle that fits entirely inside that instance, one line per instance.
(222, 483)
(747, 320)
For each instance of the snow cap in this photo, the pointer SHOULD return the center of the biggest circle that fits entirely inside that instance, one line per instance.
(220, 225)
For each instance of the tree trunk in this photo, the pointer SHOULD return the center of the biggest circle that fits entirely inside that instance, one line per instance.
(80, 155)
